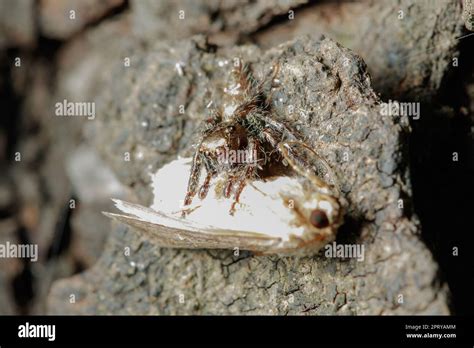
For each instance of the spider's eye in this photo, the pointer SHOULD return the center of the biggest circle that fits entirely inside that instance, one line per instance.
(319, 218)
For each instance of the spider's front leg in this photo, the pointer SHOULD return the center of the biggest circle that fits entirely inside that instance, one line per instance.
(305, 161)
(297, 154)
(214, 125)
(211, 172)
(229, 184)
(265, 88)
(271, 136)
(194, 177)
(250, 166)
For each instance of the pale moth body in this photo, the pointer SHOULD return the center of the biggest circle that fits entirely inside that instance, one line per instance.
(272, 216)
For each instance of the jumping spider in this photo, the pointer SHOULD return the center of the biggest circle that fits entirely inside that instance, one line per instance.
(244, 121)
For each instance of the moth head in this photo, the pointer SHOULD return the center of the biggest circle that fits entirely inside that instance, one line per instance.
(319, 214)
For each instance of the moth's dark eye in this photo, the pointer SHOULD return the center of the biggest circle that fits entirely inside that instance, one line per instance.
(319, 218)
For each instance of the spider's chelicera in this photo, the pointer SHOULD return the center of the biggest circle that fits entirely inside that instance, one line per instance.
(243, 122)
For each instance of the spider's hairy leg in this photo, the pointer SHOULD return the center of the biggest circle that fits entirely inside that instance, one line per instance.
(271, 136)
(211, 172)
(216, 117)
(299, 156)
(302, 158)
(277, 127)
(229, 184)
(249, 171)
(265, 87)
(194, 177)
(242, 76)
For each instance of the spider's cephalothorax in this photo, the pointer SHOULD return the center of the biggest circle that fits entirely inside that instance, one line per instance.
(242, 124)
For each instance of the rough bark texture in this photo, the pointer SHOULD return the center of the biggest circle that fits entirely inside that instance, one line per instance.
(60, 19)
(378, 160)
(408, 45)
(339, 115)
(223, 21)
(17, 23)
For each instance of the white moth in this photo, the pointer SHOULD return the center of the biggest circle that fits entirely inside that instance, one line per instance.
(281, 215)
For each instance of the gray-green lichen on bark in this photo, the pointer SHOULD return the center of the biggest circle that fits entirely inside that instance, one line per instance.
(334, 106)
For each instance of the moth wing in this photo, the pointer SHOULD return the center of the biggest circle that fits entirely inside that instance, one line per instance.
(172, 232)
